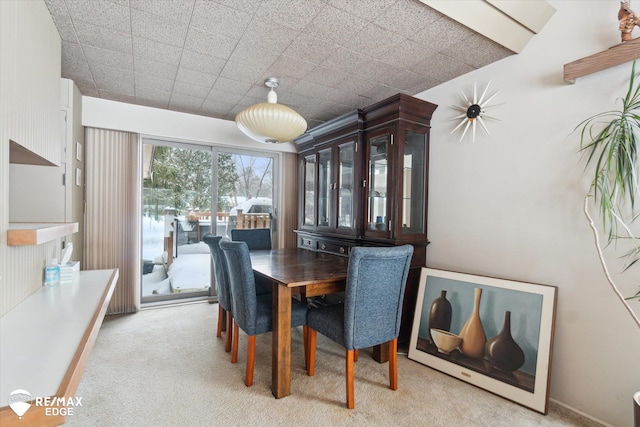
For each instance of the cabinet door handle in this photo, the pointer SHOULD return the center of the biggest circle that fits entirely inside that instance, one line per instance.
(323, 246)
(342, 250)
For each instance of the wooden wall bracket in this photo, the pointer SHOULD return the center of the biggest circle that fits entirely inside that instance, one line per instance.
(615, 55)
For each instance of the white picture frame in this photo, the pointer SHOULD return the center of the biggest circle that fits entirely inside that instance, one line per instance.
(532, 311)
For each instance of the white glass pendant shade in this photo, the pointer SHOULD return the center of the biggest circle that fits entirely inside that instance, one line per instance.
(269, 121)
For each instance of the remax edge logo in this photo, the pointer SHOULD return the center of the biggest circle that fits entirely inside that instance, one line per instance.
(20, 402)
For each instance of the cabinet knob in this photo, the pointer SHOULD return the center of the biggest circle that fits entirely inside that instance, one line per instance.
(323, 246)
(342, 250)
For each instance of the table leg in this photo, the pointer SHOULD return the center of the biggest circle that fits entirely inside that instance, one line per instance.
(281, 345)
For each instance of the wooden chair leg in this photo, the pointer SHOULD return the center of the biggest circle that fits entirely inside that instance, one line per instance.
(305, 339)
(393, 364)
(221, 314)
(355, 355)
(229, 337)
(311, 352)
(234, 350)
(251, 358)
(350, 398)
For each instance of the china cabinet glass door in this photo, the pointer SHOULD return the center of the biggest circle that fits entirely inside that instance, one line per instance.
(346, 186)
(414, 170)
(377, 183)
(309, 191)
(325, 185)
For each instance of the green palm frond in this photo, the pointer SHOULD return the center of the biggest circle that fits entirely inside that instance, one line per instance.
(610, 142)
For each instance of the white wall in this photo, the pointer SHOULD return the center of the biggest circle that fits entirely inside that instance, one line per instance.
(510, 204)
(29, 115)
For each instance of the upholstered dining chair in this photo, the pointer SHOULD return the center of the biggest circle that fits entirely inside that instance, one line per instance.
(223, 291)
(256, 238)
(371, 311)
(252, 312)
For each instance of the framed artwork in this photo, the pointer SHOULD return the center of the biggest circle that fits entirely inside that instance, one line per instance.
(493, 333)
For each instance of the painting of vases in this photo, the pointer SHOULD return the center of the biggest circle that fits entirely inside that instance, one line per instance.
(504, 332)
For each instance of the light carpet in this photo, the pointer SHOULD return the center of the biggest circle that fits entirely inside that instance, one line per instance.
(165, 367)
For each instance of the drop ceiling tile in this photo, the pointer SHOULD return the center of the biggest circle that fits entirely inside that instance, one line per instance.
(346, 61)
(181, 102)
(407, 17)
(191, 89)
(232, 86)
(245, 53)
(209, 44)
(292, 14)
(335, 26)
(178, 10)
(367, 10)
(248, 73)
(327, 76)
(442, 33)
(105, 38)
(216, 18)
(268, 36)
(216, 108)
(374, 40)
(245, 5)
(377, 71)
(201, 62)
(153, 94)
(217, 95)
(315, 91)
(442, 67)
(154, 103)
(195, 77)
(154, 68)
(158, 28)
(156, 51)
(103, 57)
(60, 15)
(404, 80)
(478, 51)
(73, 58)
(287, 66)
(101, 13)
(146, 81)
(406, 54)
(114, 80)
(117, 97)
(88, 90)
(379, 92)
(310, 48)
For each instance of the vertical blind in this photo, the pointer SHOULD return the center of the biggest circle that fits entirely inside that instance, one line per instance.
(113, 206)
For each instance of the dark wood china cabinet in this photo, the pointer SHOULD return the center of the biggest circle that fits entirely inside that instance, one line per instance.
(364, 182)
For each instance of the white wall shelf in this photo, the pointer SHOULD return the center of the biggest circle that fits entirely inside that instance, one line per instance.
(32, 233)
(47, 340)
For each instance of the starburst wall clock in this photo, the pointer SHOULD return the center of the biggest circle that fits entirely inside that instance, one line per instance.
(474, 112)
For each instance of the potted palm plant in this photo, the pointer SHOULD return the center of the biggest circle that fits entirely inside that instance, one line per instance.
(611, 143)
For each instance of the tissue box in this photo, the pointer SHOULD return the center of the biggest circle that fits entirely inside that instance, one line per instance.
(69, 272)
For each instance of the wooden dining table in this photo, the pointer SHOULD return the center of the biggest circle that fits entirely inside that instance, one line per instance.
(290, 272)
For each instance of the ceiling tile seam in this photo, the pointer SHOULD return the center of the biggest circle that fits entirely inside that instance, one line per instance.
(84, 55)
(184, 42)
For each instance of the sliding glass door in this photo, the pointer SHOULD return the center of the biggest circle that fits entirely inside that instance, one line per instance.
(177, 182)
(180, 181)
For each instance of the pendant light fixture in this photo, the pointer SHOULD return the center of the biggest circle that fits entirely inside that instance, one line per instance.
(271, 122)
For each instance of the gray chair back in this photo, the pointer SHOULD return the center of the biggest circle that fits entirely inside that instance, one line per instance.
(376, 280)
(256, 238)
(244, 301)
(220, 269)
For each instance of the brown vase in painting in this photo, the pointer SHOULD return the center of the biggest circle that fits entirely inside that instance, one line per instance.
(503, 351)
(472, 333)
(440, 314)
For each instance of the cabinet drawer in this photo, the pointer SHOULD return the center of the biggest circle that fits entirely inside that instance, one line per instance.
(333, 247)
(306, 242)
